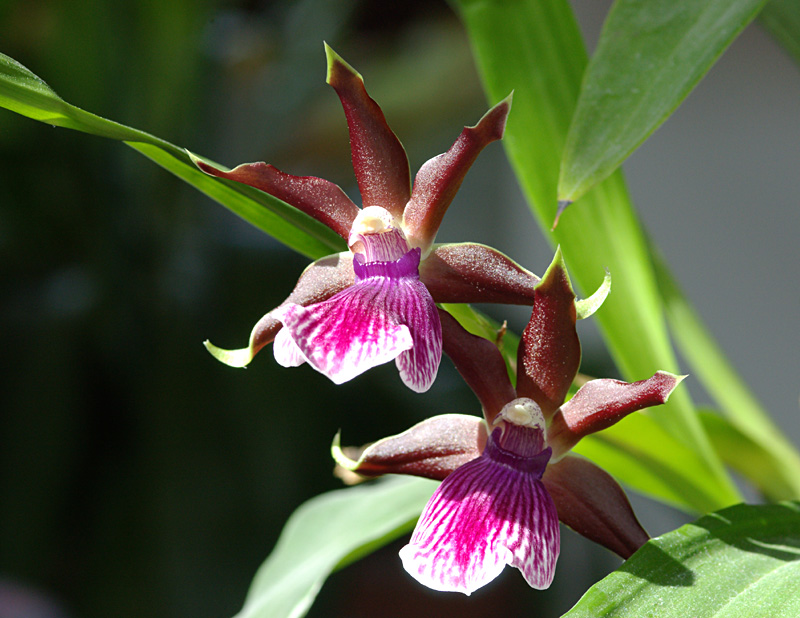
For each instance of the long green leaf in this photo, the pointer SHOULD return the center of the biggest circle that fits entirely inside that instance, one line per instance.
(535, 49)
(25, 93)
(650, 55)
(741, 561)
(782, 19)
(329, 532)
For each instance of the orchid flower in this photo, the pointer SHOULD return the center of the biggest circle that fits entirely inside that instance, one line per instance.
(364, 307)
(508, 478)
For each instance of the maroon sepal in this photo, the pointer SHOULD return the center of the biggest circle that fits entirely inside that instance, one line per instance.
(549, 351)
(480, 363)
(601, 403)
(318, 282)
(438, 180)
(472, 273)
(379, 160)
(316, 197)
(593, 504)
(431, 449)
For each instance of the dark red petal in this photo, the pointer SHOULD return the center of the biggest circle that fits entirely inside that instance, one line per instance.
(431, 449)
(379, 160)
(601, 403)
(473, 273)
(480, 364)
(316, 197)
(319, 281)
(549, 351)
(593, 504)
(322, 279)
(438, 180)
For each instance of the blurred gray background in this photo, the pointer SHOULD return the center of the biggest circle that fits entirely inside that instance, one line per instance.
(138, 476)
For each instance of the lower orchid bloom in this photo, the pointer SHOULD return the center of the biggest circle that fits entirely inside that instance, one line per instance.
(509, 478)
(357, 309)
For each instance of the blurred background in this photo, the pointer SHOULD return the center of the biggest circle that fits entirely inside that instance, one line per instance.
(138, 476)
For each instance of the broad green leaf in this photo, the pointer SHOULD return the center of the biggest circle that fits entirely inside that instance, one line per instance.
(23, 92)
(741, 561)
(729, 391)
(782, 19)
(650, 55)
(329, 532)
(548, 56)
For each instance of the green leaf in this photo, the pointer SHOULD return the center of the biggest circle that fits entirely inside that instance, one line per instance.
(23, 92)
(329, 532)
(549, 59)
(782, 19)
(650, 55)
(741, 561)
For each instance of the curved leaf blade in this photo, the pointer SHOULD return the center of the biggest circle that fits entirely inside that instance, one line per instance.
(741, 561)
(328, 532)
(650, 55)
(24, 92)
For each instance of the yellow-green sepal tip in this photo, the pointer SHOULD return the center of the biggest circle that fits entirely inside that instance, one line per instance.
(586, 307)
(335, 59)
(232, 358)
(338, 455)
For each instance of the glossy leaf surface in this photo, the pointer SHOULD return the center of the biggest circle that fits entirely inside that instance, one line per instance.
(741, 561)
(650, 55)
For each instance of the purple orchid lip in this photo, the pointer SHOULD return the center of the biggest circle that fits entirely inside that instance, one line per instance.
(386, 314)
(488, 513)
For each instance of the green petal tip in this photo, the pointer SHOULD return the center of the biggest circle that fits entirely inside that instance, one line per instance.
(335, 59)
(586, 307)
(232, 358)
(338, 455)
(557, 264)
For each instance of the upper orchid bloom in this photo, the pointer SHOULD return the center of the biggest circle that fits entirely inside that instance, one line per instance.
(374, 303)
(508, 478)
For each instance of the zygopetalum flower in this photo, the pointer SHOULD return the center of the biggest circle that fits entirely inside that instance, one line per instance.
(374, 303)
(508, 478)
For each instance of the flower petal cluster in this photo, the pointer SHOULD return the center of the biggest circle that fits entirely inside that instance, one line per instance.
(508, 478)
(376, 302)
(492, 511)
